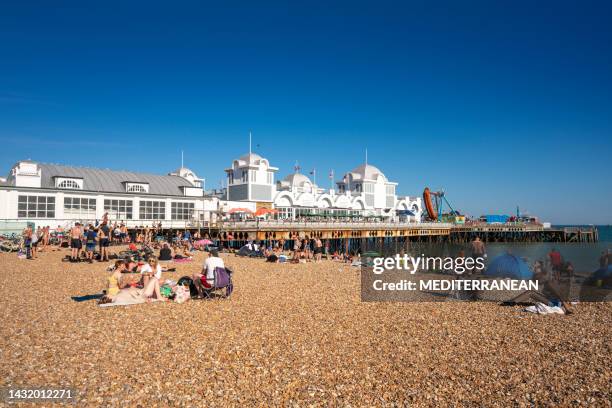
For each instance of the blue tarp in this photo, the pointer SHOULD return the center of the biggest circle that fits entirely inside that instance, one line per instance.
(509, 266)
(602, 273)
(496, 219)
(404, 212)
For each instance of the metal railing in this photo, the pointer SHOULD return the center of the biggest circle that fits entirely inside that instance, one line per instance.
(331, 224)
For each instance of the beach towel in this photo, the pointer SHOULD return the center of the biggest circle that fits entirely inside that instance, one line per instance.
(541, 308)
(86, 297)
(126, 297)
(183, 260)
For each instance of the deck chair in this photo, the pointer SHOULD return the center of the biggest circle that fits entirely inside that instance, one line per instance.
(222, 280)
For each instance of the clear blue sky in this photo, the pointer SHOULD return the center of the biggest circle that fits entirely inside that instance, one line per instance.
(499, 103)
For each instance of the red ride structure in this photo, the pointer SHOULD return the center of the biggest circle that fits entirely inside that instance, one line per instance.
(434, 203)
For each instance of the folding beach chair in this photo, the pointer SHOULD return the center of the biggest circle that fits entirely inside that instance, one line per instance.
(222, 280)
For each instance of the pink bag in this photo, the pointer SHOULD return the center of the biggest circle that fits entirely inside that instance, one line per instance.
(182, 294)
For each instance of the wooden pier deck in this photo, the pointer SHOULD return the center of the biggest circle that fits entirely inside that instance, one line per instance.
(442, 232)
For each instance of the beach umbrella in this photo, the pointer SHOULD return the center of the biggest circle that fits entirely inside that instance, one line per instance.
(509, 266)
(264, 211)
(240, 210)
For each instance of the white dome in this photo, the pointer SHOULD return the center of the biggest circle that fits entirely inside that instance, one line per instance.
(368, 172)
(297, 179)
(187, 174)
(251, 158)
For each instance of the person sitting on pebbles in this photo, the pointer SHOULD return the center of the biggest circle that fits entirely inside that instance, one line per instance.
(117, 291)
(208, 270)
(165, 253)
(114, 281)
(152, 269)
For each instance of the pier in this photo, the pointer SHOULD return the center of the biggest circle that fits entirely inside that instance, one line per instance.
(416, 232)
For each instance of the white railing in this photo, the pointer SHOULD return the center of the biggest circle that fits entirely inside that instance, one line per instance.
(293, 224)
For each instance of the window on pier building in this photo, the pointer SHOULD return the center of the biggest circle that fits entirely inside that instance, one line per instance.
(152, 210)
(31, 206)
(244, 176)
(137, 188)
(70, 184)
(80, 207)
(182, 211)
(119, 209)
(285, 213)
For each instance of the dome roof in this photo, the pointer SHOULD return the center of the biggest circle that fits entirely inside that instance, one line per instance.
(183, 172)
(251, 158)
(297, 179)
(368, 172)
(187, 174)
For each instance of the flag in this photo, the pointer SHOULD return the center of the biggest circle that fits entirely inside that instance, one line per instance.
(313, 172)
(331, 174)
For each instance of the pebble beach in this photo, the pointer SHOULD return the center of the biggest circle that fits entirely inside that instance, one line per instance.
(291, 335)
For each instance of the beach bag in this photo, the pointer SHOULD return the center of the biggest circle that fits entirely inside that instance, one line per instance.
(166, 291)
(181, 294)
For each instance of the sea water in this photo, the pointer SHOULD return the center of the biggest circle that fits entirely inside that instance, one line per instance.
(583, 256)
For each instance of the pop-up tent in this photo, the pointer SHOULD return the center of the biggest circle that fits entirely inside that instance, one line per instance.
(509, 266)
(602, 273)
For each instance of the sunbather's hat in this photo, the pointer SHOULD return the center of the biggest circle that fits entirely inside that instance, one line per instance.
(214, 252)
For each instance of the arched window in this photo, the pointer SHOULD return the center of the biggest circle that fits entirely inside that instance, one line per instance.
(70, 184)
(136, 188)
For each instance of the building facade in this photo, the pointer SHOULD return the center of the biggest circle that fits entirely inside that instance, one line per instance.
(50, 194)
(363, 192)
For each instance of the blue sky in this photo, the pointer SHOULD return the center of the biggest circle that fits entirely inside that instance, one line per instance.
(499, 104)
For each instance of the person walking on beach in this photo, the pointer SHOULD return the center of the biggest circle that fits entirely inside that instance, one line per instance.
(75, 241)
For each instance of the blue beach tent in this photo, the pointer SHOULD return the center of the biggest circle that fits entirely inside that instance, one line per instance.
(602, 273)
(509, 266)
